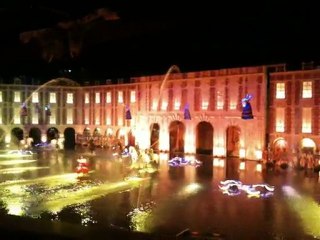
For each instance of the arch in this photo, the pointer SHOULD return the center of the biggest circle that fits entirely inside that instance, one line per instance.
(52, 133)
(154, 137)
(35, 134)
(307, 152)
(2, 139)
(176, 138)
(86, 132)
(204, 138)
(69, 138)
(280, 150)
(233, 141)
(16, 136)
(97, 132)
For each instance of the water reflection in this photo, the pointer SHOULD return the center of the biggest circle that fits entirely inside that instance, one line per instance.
(167, 201)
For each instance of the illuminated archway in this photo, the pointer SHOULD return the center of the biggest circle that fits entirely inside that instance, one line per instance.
(154, 137)
(204, 138)
(280, 150)
(307, 151)
(233, 141)
(176, 138)
(52, 133)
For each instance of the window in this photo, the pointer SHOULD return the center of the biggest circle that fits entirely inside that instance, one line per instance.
(17, 97)
(69, 116)
(133, 96)
(205, 105)
(108, 97)
(86, 116)
(69, 97)
(35, 97)
(97, 97)
(120, 97)
(307, 89)
(1, 122)
(280, 91)
(17, 117)
(1, 96)
(35, 117)
(52, 119)
(280, 113)
(306, 120)
(52, 97)
(86, 98)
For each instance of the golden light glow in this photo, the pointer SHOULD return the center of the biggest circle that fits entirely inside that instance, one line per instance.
(221, 163)
(204, 105)
(258, 154)
(259, 167)
(164, 106)
(242, 153)
(43, 137)
(308, 143)
(216, 162)
(306, 208)
(16, 161)
(242, 166)
(176, 105)
(7, 138)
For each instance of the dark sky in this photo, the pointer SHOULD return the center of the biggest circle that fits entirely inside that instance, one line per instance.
(130, 38)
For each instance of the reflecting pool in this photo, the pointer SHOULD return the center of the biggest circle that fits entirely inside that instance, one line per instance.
(167, 201)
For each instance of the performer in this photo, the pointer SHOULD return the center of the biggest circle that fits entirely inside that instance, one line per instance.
(83, 167)
(246, 107)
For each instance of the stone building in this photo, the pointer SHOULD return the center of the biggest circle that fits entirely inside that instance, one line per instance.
(177, 112)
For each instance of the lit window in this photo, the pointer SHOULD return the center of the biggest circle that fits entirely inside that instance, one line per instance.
(120, 97)
(69, 116)
(280, 120)
(306, 120)
(120, 121)
(52, 97)
(133, 96)
(17, 117)
(176, 105)
(86, 116)
(108, 97)
(219, 105)
(52, 119)
(69, 97)
(307, 89)
(205, 105)
(86, 98)
(164, 106)
(1, 96)
(97, 118)
(280, 91)
(17, 97)
(35, 97)
(154, 105)
(233, 105)
(35, 118)
(97, 97)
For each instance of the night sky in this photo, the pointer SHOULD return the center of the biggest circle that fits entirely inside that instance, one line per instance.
(111, 39)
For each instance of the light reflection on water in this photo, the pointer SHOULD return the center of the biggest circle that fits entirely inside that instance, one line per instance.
(173, 199)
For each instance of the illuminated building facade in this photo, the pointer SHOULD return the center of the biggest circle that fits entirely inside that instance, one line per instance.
(284, 108)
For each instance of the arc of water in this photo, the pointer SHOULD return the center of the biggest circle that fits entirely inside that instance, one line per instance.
(167, 75)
